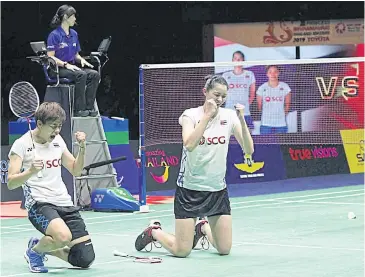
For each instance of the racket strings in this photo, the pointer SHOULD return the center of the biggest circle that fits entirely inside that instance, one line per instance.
(205, 243)
(23, 99)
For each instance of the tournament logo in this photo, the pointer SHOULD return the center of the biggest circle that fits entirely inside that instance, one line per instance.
(283, 35)
(162, 162)
(255, 166)
(340, 28)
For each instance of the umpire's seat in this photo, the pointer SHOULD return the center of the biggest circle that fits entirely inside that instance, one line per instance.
(57, 87)
(58, 90)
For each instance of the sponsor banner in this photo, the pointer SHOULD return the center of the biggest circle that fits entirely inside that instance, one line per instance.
(354, 151)
(162, 166)
(6, 194)
(293, 33)
(268, 165)
(314, 160)
(127, 171)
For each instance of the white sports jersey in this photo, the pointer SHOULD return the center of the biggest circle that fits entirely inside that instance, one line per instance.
(50, 188)
(239, 89)
(273, 104)
(204, 168)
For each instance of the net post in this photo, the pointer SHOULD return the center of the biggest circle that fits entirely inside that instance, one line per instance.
(142, 172)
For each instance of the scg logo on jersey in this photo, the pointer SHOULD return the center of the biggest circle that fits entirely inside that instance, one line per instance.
(213, 140)
(274, 99)
(53, 163)
(237, 85)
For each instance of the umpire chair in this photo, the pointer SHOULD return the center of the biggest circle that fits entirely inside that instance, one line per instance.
(61, 90)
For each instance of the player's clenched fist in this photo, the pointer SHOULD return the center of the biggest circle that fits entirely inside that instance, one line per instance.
(37, 165)
(210, 107)
(240, 109)
(80, 138)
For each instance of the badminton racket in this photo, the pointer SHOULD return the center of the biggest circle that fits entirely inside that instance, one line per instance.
(147, 260)
(24, 102)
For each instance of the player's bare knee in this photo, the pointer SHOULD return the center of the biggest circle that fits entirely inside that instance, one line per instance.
(82, 254)
(62, 238)
(224, 250)
(183, 252)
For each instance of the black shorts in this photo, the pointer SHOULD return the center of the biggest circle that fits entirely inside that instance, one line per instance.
(41, 214)
(192, 204)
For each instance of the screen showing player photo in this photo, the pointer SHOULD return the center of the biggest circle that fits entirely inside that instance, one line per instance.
(288, 98)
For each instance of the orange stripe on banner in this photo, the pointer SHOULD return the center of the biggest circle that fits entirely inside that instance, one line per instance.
(8, 216)
(11, 209)
(11, 203)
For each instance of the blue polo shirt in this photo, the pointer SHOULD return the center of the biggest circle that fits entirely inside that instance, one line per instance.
(65, 47)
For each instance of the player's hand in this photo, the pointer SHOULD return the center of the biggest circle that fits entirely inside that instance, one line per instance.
(240, 109)
(81, 138)
(36, 166)
(84, 62)
(248, 160)
(210, 108)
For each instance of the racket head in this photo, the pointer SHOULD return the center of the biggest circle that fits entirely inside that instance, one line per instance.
(23, 99)
(147, 260)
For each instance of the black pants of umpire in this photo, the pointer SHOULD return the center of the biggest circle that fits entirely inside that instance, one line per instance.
(86, 83)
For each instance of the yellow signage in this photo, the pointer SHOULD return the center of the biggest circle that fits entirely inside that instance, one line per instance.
(354, 151)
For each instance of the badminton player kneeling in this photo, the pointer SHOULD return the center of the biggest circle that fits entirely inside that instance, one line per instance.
(50, 208)
(201, 188)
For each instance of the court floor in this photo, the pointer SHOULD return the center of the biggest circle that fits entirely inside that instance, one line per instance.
(303, 233)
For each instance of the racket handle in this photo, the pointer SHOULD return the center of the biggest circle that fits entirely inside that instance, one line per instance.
(40, 174)
(120, 254)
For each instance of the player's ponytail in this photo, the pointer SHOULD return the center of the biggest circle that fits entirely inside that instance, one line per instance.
(212, 80)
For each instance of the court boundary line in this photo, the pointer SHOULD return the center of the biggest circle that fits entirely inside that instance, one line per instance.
(300, 196)
(232, 204)
(298, 246)
(307, 201)
(234, 244)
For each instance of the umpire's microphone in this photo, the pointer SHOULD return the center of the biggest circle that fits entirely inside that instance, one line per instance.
(98, 164)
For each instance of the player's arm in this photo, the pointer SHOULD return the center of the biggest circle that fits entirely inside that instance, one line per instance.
(17, 178)
(192, 134)
(242, 133)
(287, 102)
(259, 102)
(252, 92)
(259, 95)
(75, 166)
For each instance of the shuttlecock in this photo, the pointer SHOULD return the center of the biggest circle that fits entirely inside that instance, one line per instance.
(351, 215)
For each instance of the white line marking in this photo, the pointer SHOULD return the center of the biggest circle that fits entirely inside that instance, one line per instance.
(297, 246)
(233, 203)
(321, 198)
(300, 196)
(16, 228)
(334, 203)
(233, 208)
(235, 244)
